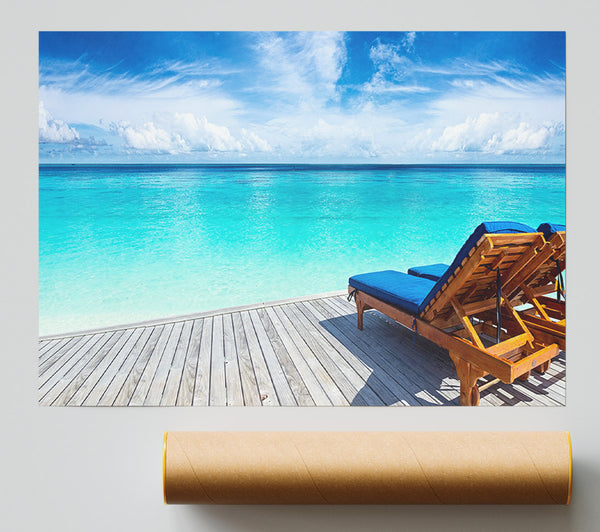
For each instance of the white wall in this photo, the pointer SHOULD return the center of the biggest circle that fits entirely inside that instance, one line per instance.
(94, 469)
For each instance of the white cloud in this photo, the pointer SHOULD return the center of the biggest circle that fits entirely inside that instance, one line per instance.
(78, 93)
(54, 130)
(203, 135)
(150, 137)
(409, 41)
(184, 133)
(78, 76)
(392, 70)
(303, 67)
(387, 59)
(527, 137)
(253, 142)
(496, 133)
(331, 136)
(338, 140)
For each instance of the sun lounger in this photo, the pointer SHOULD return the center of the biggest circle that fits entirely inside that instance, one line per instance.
(454, 311)
(545, 316)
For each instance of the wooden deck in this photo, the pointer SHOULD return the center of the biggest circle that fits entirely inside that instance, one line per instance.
(306, 351)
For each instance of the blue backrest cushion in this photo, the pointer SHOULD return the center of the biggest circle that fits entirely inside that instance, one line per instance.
(480, 230)
(550, 229)
(431, 271)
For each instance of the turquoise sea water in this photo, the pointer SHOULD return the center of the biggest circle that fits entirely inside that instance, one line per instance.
(120, 244)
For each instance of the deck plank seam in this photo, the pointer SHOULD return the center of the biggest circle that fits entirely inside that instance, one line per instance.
(374, 365)
(392, 352)
(105, 369)
(74, 364)
(341, 349)
(134, 362)
(325, 353)
(85, 360)
(312, 365)
(304, 347)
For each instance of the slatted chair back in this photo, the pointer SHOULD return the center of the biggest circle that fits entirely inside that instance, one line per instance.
(543, 279)
(496, 261)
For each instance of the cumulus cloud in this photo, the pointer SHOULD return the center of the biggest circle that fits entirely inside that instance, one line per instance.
(202, 134)
(496, 133)
(150, 137)
(52, 130)
(184, 133)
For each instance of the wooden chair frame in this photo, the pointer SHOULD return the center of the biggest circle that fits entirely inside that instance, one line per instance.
(546, 316)
(458, 317)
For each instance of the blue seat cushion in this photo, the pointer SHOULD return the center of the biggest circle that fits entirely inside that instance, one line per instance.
(550, 229)
(431, 271)
(400, 289)
(480, 230)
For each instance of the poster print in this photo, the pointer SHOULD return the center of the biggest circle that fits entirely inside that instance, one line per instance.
(359, 218)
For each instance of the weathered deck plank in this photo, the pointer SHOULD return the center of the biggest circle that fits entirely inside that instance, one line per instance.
(248, 378)
(185, 396)
(157, 387)
(296, 383)
(365, 368)
(305, 351)
(218, 391)
(145, 381)
(112, 371)
(357, 348)
(330, 387)
(278, 376)
(266, 388)
(233, 382)
(62, 355)
(94, 374)
(50, 346)
(123, 373)
(202, 381)
(85, 366)
(133, 377)
(394, 356)
(175, 370)
(356, 391)
(64, 374)
(305, 374)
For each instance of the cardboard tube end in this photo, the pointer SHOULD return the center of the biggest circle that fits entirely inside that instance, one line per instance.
(570, 467)
(164, 467)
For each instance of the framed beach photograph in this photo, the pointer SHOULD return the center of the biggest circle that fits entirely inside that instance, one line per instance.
(302, 218)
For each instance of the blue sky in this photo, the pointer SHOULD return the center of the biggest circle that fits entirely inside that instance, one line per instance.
(314, 97)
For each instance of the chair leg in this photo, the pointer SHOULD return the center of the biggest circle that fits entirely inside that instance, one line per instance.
(360, 308)
(525, 376)
(543, 367)
(467, 375)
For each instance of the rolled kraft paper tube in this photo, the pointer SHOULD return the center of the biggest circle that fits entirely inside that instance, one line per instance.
(367, 467)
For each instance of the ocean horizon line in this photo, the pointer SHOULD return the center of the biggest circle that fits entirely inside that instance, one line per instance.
(309, 165)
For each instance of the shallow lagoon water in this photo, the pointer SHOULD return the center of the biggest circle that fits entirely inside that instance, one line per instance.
(121, 244)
